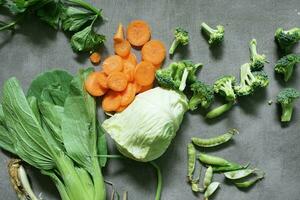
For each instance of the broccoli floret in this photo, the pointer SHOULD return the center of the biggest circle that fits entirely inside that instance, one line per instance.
(203, 94)
(285, 65)
(215, 35)
(286, 98)
(261, 79)
(257, 60)
(181, 37)
(246, 85)
(286, 39)
(177, 75)
(224, 87)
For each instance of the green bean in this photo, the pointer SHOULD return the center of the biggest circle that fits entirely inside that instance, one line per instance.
(249, 183)
(213, 160)
(191, 160)
(208, 177)
(215, 141)
(230, 167)
(211, 189)
(238, 174)
(195, 186)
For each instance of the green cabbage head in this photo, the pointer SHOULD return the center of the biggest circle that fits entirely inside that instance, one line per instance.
(146, 128)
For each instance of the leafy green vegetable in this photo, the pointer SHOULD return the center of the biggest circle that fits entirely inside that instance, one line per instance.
(146, 128)
(61, 139)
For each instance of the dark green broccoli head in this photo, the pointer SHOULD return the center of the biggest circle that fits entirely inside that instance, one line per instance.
(181, 37)
(261, 79)
(177, 75)
(247, 81)
(224, 86)
(257, 60)
(203, 95)
(215, 35)
(286, 98)
(285, 65)
(286, 39)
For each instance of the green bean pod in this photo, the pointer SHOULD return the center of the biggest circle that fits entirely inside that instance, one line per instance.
(191, 160)
(249, 183)
(215, 141)
(213, 160)
(211, 189)
(208, 177)
(238, 174)
(230, 167)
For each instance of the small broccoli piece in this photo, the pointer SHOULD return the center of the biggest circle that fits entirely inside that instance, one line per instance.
(261, 79)
(181, 37)
(203, 94)
(286, 98)
(247, 81)
(177, 75)
(215, 35)
(285, 65)
(257, 60)
(224, 87)
(286, 39)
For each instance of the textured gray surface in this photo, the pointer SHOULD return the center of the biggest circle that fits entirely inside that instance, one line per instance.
(262, 141)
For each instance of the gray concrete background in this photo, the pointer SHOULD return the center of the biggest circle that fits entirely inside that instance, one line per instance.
(262, 141)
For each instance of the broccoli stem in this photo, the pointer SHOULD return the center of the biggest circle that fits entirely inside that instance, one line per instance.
(219, 110)
(252, 46)
(287, 111)
(183, 80)
(207, 29)
(174, 45)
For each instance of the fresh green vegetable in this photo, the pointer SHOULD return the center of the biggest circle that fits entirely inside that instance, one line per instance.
(257, 60)
(246, 184)
(215, 141)
(261, 79)
(153, 118)
(59, 139)
(159, 181)
(286, 99)
(213, 160)
(177, 75)
(74, 16)
(208, 177)
(214, 35)
(247, 81)
(286, 64)
(211, 189)
(181, 38)
(230, 167)
(225, 87)
(238, 174)
(191, 161)
(203, 95)
(287, 38)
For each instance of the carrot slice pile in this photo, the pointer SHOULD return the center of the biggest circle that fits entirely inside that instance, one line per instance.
(119, 35)
(128, 95)
(92, 85)
(144, 73)
(111, 101)
(113, 63)
(117, 81)
(131, 58)
(154, 51)
(129, 69)
(122, 48)
(138, 32)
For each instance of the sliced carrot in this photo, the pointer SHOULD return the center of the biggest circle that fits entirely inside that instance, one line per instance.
(144, 73)
(122, 48)
(129, 69)
(102, 79)
(131, 58)
(128, 94)
(138, 32)
(119, 35)
(138, 87)
(92, 85)
(158, 66)
(145, 88)
(117, 81)
(154, 51)
(113, 63)
(121, 108)
(111, 101)
(95, 58)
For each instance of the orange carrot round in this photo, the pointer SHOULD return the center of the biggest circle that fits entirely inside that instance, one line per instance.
(138, 32)
(154, 51)
(119, 35)
(95, 58)
(117, 81)
(128, 94)
(129, 69)
(138, 87)
(113, 63)
(122, 48)
(144, 73)
(92, 85)
(131, 58)
(101, 79)
(121, 108)
(145, 88)
(111, 101)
